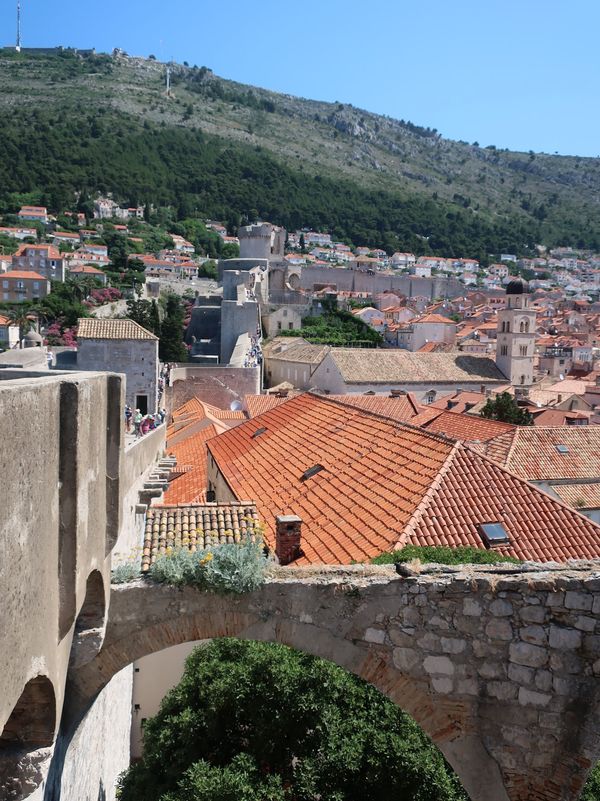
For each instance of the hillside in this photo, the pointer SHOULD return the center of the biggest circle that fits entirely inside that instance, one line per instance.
(224, 149)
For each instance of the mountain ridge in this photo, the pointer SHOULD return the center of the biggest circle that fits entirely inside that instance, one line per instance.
(555, 197)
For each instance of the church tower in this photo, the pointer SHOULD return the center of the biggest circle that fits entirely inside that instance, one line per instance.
(515, 344)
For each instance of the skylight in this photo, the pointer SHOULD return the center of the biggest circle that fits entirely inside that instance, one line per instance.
(562, 449)
(493, 534)
(312, 471)
(258, 432)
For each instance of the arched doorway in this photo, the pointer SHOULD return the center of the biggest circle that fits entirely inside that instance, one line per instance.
(88, 634)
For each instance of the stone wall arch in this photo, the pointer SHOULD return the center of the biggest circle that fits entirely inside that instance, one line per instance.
(27, 738)
(166, 616)
(88, 634)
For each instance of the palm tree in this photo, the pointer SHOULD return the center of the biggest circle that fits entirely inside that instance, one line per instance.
(21, 318)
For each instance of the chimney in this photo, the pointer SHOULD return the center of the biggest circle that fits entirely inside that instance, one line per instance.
(450, 403)
(559, 399)
(397, 393)
(288, 532)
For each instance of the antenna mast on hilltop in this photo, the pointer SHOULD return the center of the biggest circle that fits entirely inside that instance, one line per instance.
(168, 93)
(18, 47)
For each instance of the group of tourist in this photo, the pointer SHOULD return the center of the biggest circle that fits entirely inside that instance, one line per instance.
(142, 423)
(254, 356)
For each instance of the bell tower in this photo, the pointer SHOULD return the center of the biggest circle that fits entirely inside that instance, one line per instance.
(515, 343)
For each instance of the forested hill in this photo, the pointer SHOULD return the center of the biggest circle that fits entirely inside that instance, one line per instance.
(219, 149)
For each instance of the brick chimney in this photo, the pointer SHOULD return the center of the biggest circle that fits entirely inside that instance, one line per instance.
(288, 532)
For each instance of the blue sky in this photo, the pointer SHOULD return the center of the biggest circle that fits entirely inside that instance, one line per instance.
(522, 74)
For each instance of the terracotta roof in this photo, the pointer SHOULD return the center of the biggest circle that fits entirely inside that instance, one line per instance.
(461, 399)
(257, 404)
(434, 318)
(53, 253)
(85, 268)
(467, 427)
(361, 366)
(579, 496)
(534, 452)
(294, 349)
(381, 484)
(92, 328)
(30, 274)
(402, 408)
(375, 473)
(193, 424)
(196, 527)
(472, 490)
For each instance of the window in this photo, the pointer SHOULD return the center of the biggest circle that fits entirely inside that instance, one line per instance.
(522, 379)
(523, 350)
(36, 284)
(20, 285)
(562, 449)
(312, 471)
(493, 534)
(291, 326)
(285, 312)
(503, 350)
(6, 296)
(5, 285)
(279, 325)
(430, 396)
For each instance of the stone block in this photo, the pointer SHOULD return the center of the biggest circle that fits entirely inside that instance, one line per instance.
(429, 642)
(406, 659)
(523, 653)
(467, 687)
(556, 598)
(565, 662)
(438, 665)
(439, 623)
(534, 634)
(564, 639)
(579, 600)
(502, 690)
(584, 623)
(492, 670)
(471, 607)
(442, 684)
(375, 636)
(501, 608)
(533, 614)
(499, 629)
(543, 680)
(591, 645)
(533, 698)
(596, 605)
(453, 646)
(521, 674)
(563, 686)
(411, 616)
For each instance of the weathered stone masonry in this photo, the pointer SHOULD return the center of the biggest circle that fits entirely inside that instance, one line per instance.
(501, 669)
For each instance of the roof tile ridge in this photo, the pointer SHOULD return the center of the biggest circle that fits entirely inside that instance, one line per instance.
(533, 487)
(380, 416)
(427, 498)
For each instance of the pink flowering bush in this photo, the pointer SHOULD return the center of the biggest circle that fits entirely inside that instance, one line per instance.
(58, 337)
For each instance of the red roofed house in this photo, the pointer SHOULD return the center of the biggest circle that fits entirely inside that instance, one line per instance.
(43, 259)
(37, 213)
(86, 271)
(428, 328)
(20, 285)
(9, 333)
(347, 485)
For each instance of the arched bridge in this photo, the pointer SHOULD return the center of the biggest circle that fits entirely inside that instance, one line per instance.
(500, 668)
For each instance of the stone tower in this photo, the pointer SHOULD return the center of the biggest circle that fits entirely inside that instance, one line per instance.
(515, 344)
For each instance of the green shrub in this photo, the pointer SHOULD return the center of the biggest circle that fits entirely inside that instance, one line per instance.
(229, 568)
(443, 556)
(128, 571)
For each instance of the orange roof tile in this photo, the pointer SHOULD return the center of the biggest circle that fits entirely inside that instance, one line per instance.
(467, 427)
(382, 484)
(473, 490)
(534, 452)
(30, 274)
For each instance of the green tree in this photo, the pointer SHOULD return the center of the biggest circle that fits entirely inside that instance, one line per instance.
(144, 313)
(505, 408)
(257, 721)
(171, 347)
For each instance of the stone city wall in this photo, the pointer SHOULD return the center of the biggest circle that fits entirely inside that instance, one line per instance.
(500, 666)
